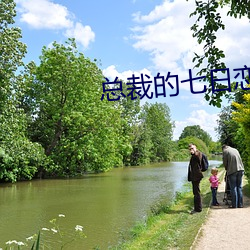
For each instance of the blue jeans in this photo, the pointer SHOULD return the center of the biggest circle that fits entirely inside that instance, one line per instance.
(214, 196)
(235, 182)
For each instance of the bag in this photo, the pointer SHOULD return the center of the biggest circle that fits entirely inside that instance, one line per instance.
(204, 163)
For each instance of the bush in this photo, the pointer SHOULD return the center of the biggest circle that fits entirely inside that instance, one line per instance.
(20, 160)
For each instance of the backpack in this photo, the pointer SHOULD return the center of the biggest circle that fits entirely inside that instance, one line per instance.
(204, 163)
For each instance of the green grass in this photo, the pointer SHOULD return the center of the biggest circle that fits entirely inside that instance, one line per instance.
(170, 226)
(246, 188)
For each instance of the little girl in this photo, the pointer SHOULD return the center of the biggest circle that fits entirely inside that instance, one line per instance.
(214, 185)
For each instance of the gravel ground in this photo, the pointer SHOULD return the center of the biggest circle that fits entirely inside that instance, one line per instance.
(225, 228)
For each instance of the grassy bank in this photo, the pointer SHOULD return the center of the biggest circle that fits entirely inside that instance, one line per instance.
(170, 227)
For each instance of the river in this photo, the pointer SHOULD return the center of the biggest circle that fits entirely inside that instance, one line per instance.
(105, 204)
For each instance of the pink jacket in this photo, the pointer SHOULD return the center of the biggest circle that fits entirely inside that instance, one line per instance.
(214, 181)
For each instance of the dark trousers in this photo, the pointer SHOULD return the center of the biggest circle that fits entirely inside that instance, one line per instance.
(214, 196)
(197, 196)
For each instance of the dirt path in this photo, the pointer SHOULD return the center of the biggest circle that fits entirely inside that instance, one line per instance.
(225, 228)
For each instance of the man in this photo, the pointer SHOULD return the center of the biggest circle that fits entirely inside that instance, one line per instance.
(195, 175)
(235, 170)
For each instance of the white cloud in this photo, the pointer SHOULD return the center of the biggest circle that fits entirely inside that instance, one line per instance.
(208, 122)
(165, 33)
(159, 12)
(234, 41)
(83, 34)
(44, 14)
(111, 73)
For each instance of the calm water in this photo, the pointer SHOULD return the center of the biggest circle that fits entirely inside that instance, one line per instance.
(104, 204)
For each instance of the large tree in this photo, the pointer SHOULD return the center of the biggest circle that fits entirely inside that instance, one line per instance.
(78, 130)
(19, 158)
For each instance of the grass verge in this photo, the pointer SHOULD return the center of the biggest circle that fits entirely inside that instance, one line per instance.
(170, 226)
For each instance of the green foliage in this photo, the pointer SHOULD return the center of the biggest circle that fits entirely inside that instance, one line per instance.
(201, 146)
(12, 50)
(181, 154)
(227, 127)
(130, 130)
(233, 125)
(78, 131)
(209, 18)
(241, 115)
(158, 121)
(237, 8)
(153, 135)
(196, 131)
(178, 154)
(20, 159)
(36, 243)
(215, 147)
(141, 145)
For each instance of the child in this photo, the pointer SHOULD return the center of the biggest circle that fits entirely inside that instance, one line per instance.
(214, 185)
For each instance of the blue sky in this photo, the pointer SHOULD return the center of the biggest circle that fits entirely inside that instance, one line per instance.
(134, 37)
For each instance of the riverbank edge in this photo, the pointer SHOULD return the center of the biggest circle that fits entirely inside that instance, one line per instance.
(171, 226)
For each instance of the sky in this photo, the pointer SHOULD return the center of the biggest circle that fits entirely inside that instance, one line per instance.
(137, 37)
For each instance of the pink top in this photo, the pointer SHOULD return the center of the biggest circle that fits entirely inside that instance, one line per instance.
(214, 181)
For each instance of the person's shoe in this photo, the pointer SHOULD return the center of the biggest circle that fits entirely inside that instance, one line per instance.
(217, 204)
(194, 212)
(231, 206)
(241, 206)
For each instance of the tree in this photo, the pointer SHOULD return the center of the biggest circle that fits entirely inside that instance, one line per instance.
(196, 131)
(183, 144)
(242, 116)
(78, 131)
(215, 148)
(19, 157)
(141, 145)
(227, 127)
(208, 23)
(12, 51)
(229, 130)
(158, 130)
(130, 110)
